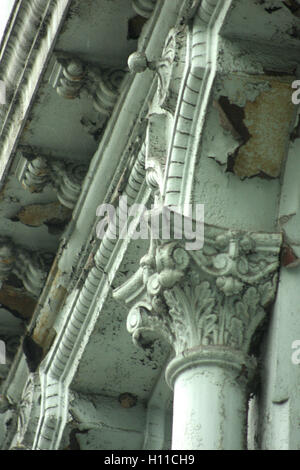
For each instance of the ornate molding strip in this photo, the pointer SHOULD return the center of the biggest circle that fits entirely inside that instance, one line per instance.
(71, 77)
(144, 7)
(25, 52)
(213, 297)
(186, 72)
(30, 267)
(66, 178)
(30, 15)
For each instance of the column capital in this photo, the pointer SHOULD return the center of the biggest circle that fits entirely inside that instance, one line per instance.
(214, 297)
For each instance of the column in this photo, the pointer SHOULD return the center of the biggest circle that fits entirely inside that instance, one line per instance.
(210, 305)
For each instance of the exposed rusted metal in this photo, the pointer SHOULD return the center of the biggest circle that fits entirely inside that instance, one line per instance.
(39, 214)
(268, 119)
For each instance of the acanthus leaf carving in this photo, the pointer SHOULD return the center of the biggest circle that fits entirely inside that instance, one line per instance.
(216, 296)
(28, 414)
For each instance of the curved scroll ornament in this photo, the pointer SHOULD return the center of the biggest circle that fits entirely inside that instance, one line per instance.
(65, 177)
(28, 414)
(169, 67)
(217, 296)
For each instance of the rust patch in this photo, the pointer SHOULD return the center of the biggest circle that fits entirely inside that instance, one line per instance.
(127, 400)
(268, 120)
(43, 333)
(36, 215)
(17, 300)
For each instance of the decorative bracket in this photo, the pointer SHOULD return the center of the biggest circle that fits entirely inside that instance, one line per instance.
(66, 178)
(71, 77)
(169, 67)
(28, 414)
(30, 267)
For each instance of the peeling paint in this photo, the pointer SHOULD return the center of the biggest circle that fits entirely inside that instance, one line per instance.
(36, 215)
(268, 120)
(44, 333)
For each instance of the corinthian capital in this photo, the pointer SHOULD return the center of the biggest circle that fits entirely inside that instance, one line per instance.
(217, 296)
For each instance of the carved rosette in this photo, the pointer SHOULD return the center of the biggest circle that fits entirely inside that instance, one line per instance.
(214, 297)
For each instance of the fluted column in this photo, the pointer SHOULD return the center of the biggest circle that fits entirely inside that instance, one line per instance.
(209, 305)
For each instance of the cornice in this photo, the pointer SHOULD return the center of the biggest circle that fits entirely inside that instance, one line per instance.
(26, 51)
(81, 312)
(82, 307)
